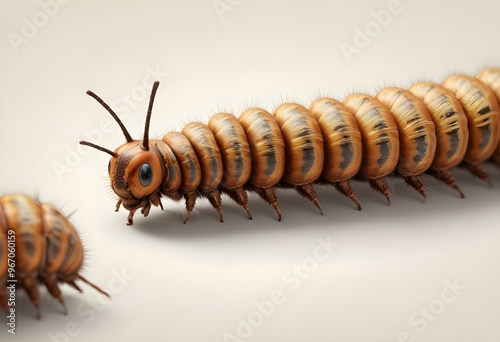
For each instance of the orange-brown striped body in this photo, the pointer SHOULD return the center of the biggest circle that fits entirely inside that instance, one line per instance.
(45, 247)
(25, 217)
(483, 114)
(452, 133)
(430, 128)
(379, 135)
(304, 154)
(342, 139)
(417, 135)
(266, 146)
(186, 156)
(64, 250)
(235, 151)
(208, 154)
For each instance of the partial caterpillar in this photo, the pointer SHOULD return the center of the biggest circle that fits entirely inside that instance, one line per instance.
(37, 245)
(429, 128)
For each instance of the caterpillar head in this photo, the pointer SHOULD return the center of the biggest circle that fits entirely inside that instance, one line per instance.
(135, 169)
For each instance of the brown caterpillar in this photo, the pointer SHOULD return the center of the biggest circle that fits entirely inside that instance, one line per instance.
(429, 128)
(37, 245)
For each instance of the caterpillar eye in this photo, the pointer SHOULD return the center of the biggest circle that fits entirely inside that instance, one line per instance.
(145, 174)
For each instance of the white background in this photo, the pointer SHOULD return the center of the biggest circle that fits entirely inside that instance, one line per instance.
(197, 282)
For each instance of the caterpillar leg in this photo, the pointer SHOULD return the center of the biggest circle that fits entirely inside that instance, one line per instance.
(415, 183)
(130, 217)
(216, 201)
(51, 284)
(447, 178)
(479, 171)
(30, 286)
(240, 196)
(190, 198)
(95, 287)
(380, 185)
(74, 285)
(307, 191)
(118, 204)
(344, 187)
(269, 196)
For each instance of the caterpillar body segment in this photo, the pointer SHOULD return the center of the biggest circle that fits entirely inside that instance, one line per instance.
(236, 158)
(452, 133)
(450, 121)
(429, 128)
(417, 134)
(342, 144)
(380, 140)
(190, 170)
(45, 248)
(267, 150)
(210, 159)
(304, 156)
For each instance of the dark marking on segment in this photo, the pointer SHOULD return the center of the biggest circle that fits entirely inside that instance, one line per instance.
(69, 251)
(172, 172)
(384, 152)
(239, 165)
(304, 133)
(454, 141)
(29, 244)
(421, 143)
(342, 127)
(308, 157)
(485, 135)
(449, 113)
(268, 137)
(271, 160)
(53, 248)
(347, 155)
(485, 110)
(192, 168)
(214, 168)
(380, 125)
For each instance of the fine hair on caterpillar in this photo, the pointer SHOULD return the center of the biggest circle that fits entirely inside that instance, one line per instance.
(429, 128)
(38, 245)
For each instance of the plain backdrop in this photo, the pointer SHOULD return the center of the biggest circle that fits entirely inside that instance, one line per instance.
(412, 271)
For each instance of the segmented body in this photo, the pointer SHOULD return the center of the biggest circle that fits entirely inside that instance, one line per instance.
(37, 245)
(429, 128)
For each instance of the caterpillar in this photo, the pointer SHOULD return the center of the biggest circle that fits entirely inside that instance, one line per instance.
(429, 128)
(37, 245)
